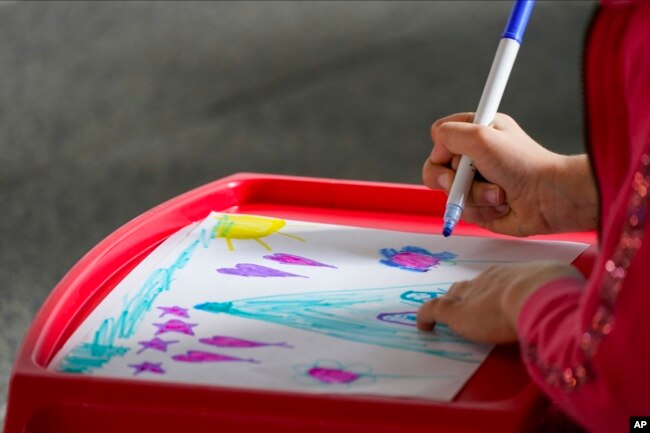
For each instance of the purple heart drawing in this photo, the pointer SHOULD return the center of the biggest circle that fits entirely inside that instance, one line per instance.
(291, 259)
(253, 270)
(199, 356)
(223, 341)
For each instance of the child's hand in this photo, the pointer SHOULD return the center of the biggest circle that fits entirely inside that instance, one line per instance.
(525, 189)
(486, 308)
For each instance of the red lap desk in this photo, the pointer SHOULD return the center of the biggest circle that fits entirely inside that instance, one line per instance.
(499, 395)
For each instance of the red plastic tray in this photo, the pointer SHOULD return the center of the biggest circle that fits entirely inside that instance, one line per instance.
(499, 394)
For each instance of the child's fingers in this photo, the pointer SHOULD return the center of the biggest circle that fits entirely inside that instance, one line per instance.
(437, 310)
(467, 139)
(486, 202)
(486, 194)
(440, 154)
(456, 134)
(457, 117)
(485, 216)
(503, 122)
(437, 176)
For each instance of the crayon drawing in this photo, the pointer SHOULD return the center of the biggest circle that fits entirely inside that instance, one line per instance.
(406, 318)
(292, 306)
(253, 270)
(291, 259)
(350, 315)
(415, 258)
(419, 297)
(147, 367)
(155, 344)
(244, 227)
(174, 311)
(231, 342)
(175, 326)
(329, 373)
(199, 356)
(120, 315)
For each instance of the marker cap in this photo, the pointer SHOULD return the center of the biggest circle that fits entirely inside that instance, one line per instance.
(519, 16)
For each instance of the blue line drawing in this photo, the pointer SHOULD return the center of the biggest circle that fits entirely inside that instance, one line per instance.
(352, 315)
(88, 356)
(81, 358)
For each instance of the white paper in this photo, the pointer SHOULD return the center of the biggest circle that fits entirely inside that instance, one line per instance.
(257, 302)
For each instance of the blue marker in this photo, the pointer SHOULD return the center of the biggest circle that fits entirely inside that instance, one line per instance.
(487, 106)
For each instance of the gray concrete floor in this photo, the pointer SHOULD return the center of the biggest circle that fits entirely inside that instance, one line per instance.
(107, 109)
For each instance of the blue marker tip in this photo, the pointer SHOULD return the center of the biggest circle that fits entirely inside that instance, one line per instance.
(451, 218)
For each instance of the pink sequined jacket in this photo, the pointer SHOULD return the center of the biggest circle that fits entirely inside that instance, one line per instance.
(588, 345)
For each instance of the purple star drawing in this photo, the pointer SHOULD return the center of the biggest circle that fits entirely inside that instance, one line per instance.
(175, 325)
(175, 310)
(156, 344)
(151, 367)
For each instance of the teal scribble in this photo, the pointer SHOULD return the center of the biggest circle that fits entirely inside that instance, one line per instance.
(421, 297)
(349, 315)
(83, 358)
(124, 325)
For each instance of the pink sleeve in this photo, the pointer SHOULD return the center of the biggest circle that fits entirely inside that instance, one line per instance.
(587, 344)
(549, 312)
(600, 384)
(549, 331)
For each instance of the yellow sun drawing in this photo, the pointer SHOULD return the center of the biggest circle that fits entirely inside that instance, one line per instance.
(232, 227)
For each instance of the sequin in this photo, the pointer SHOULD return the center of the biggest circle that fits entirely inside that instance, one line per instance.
(581, 373)
(589, 342)
(645, 159)
(610, 293)
(568, 378)
(615, 270)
